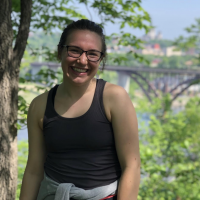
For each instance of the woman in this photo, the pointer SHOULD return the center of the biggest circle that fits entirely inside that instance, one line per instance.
(83, 135)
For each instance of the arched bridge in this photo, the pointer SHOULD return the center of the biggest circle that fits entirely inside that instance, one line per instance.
(152, 81)
(155, 80)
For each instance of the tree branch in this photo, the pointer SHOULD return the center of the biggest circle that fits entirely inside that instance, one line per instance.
(5, 35)
(23, 32)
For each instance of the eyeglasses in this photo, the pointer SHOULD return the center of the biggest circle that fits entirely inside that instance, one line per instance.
(76, 52)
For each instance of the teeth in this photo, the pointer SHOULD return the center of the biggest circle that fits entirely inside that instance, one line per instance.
(79, 70)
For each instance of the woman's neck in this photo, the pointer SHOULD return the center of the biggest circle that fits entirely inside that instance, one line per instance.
(74, 91)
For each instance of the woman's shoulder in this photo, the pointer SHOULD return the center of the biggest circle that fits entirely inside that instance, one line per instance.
(37, 108)
(38, 104)
(112, 91)
(40, 100)
(114, 96)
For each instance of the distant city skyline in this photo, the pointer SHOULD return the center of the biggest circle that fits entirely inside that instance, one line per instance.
(169, 17)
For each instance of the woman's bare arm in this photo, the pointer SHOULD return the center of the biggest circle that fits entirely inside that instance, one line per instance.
(125, 127)
(34, 171)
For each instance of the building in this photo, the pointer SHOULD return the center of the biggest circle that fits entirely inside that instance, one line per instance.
(152, 50)
(171, 51)
(152, 35)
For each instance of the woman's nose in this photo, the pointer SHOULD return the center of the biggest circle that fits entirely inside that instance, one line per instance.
(83, 58)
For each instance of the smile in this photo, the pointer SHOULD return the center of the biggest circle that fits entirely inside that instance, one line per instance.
(79, 70)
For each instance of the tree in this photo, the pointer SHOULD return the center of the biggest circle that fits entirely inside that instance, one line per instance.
(10, 59)
(16, 18)
(170, 151)
(193, 41)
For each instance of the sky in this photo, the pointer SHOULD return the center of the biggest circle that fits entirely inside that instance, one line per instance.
(168, 16)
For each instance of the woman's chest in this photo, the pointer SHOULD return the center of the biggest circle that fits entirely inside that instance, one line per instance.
(84, 133)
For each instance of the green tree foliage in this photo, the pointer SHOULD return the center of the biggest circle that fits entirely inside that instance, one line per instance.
(169, 149)
(48, 15)
(22, 160)
(44, 80)
(175, 62)
(192, 41)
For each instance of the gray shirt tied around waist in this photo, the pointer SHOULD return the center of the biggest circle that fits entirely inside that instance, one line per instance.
(65, 191)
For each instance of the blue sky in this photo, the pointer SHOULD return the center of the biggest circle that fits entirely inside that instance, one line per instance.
(169, 16)
(172, 16)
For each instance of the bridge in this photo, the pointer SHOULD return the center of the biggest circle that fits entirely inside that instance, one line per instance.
(152, 81)
(155, 80)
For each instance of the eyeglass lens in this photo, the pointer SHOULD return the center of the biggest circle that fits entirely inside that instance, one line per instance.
(91, 55)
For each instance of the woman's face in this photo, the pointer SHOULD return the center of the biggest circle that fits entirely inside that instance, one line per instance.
(86, 40)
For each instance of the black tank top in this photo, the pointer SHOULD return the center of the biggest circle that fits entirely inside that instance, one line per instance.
(80, 150)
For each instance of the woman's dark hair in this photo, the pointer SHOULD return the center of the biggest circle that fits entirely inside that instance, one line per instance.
(83, 24)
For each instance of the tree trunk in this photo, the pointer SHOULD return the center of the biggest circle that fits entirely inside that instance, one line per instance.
(9, 73)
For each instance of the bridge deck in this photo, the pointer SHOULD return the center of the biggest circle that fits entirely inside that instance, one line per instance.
(133, 69)
(153, 70)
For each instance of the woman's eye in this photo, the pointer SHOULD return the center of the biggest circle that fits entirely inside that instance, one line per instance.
(93, 54)
(74, 50)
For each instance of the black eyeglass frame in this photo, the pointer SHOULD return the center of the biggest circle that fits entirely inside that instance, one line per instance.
(83, 52)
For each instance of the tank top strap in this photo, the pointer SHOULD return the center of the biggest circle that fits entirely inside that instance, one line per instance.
(99, 95)
(50, 106)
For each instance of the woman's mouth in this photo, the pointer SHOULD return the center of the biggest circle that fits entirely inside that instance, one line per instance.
(79, 70)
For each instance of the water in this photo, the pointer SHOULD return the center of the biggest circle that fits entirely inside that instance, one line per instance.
(22, 134)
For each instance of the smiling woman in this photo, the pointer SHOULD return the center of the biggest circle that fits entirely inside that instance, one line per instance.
(81, 56)
(83, 134)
